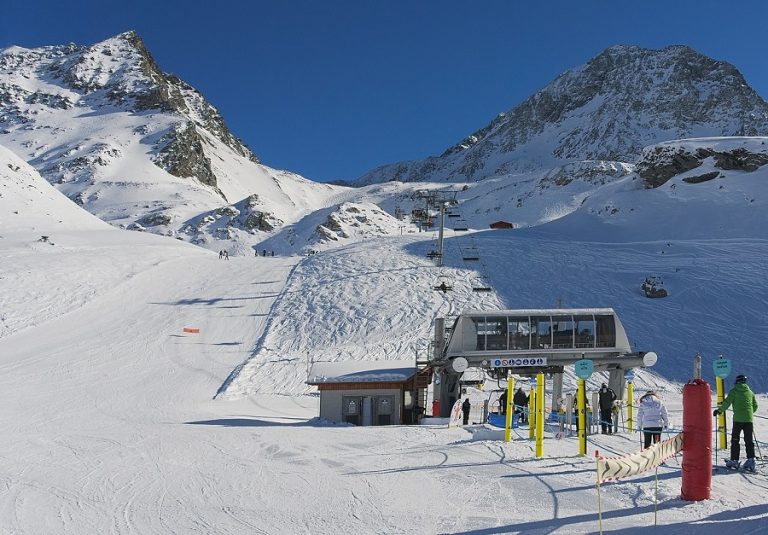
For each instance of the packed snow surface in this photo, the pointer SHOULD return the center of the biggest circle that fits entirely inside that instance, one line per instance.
(117, 421)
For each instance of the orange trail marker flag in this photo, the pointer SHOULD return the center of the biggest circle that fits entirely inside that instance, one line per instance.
(193, 330)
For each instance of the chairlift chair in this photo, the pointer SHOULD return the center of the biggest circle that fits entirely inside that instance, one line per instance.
(481, 285)
(443, 287)
(653, 287)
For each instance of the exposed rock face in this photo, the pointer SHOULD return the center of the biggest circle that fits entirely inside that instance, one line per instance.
(622, 100)
(662, 162)
(182, 155)
(248, 215)
(355, 221)
(706, 177)
(595, 173)
(659, 164)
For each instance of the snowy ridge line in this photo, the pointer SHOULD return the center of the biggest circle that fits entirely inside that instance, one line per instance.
(260, 342)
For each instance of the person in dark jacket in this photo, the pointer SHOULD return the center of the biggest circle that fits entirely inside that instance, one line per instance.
(465, 408)
(503, 403)
(606, 396)
(744, 406)
(520, 399)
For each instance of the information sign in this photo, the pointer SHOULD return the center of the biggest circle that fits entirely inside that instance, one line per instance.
(722, 367)
(518, 362)
(584, 368)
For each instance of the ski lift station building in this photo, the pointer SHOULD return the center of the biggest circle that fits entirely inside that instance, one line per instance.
(556, 333)
(530, 341)
(382, 392)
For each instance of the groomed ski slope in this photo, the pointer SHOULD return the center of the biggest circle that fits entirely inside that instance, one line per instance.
(110, 423)
(110, 426)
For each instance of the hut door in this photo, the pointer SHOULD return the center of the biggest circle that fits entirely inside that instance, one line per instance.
(384, 408)
(351, 409)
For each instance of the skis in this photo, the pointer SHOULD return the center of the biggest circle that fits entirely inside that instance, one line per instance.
(736, 466)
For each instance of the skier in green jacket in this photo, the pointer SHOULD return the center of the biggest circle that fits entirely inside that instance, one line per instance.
(744, 406)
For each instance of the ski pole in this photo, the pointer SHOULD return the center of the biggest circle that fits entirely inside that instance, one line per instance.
(757, 442)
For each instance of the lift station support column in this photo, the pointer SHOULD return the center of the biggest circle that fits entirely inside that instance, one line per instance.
(440, 235)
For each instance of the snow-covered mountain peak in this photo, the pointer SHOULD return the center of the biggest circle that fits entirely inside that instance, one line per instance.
(609, 108)
(136, 146)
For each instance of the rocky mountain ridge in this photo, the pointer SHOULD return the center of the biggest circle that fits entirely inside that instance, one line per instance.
(610, 108)
(118, 72)
(139, 147)
(142, 150)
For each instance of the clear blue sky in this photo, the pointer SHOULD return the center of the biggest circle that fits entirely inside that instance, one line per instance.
(331, 89)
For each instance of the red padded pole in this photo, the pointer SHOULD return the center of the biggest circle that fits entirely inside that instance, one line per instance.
(697, 441)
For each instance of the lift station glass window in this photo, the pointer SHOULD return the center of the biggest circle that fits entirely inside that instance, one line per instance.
(585, 330)
(491, 333)
(606, 331)
(480, 329)
(519, 333)
(541, 327)
(496, 333)
(562, 332)
(500, 333)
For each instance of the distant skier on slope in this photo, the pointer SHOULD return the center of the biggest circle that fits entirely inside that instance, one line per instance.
(651, 418)
(744, 406)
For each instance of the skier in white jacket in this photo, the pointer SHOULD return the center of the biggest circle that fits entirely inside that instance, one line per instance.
(651, 418)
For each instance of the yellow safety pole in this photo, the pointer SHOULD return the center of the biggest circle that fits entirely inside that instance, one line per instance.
(721, 416)
(630, 406)
(532, 414)
(580, 394)
(510, 405)
(540, 415)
